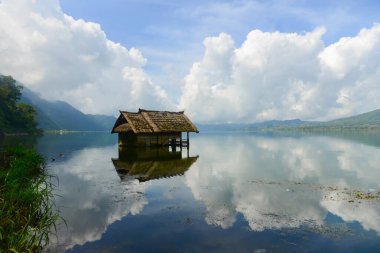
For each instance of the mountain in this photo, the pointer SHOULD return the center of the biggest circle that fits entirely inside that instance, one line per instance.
(220, 127)
(57, 115)
(253, 126)
(280, 123)
(369, 119)
(365, 121)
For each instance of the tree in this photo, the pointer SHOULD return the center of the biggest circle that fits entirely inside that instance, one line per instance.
(27, 116)
(15, 116)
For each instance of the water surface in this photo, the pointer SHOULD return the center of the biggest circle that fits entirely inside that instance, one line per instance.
(230, 192)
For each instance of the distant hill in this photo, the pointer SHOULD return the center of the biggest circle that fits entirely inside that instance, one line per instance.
(253, 126)
(281, 123)
(369, 119)
(57, 115)
(220, 127)
(365, 121)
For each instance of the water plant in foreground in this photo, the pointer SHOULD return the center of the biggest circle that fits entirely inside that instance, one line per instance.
(27, 211)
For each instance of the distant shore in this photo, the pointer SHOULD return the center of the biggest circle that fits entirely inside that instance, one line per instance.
(319, 129)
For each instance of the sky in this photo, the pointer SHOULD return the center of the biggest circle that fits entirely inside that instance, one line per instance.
(220, 61)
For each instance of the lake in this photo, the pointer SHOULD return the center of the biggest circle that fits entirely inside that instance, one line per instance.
(230, 192)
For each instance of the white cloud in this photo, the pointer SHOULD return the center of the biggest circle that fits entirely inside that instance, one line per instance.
(271, 75)
(72, 60)
(284, 75)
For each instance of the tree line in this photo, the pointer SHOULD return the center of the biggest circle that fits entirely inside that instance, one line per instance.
(15, 117)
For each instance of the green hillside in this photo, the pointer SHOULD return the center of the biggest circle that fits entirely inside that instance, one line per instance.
(366, 119)
(364, 122)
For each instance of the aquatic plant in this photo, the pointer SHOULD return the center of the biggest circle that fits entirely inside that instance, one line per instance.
(27, 211)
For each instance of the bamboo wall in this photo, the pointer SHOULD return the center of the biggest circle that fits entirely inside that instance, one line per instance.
(143, 140)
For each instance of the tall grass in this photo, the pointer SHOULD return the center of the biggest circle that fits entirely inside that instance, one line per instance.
(27, 211)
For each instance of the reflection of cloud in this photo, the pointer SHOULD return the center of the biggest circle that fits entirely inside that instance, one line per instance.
(366, 214)
(93, 197)
(272, 206)
(279, 183)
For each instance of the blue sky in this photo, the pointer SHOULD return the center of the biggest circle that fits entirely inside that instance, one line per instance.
(138, 22)
(165, 29)
(220, 61)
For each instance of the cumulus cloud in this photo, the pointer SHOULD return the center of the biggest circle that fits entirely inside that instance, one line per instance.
(72, 60)
(270, 75)
(284, 75)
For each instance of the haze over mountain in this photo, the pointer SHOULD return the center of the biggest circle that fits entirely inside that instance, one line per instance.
(369, 120)
(364, 121)
(57, 115)
(258, 125)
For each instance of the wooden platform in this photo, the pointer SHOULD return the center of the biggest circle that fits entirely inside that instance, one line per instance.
(179, 143)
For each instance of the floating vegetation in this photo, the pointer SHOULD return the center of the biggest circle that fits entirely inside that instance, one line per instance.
(332, 193)
(366, 195)
(27, 211)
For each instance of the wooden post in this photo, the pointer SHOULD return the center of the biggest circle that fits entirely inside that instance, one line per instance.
(188, 141)
(180, 140)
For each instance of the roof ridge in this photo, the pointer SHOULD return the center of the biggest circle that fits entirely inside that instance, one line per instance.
(144, 110)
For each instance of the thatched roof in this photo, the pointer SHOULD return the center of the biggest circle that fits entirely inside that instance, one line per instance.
(145, 121)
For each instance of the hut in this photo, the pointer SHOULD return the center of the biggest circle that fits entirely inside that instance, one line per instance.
(153, 128)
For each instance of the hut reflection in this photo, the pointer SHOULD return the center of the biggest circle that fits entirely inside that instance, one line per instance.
(146, 164)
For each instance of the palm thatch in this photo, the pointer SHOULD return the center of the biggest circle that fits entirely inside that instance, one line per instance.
(146, 121)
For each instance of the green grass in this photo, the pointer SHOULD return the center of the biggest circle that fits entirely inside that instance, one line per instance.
(27, 211)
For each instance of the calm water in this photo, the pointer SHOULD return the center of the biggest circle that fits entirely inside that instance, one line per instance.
(231, 192)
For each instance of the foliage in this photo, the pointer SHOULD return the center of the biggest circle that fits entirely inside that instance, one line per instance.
(26, 208)
(15, 116)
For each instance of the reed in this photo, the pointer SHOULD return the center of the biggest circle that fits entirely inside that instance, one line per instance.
(27, 211)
